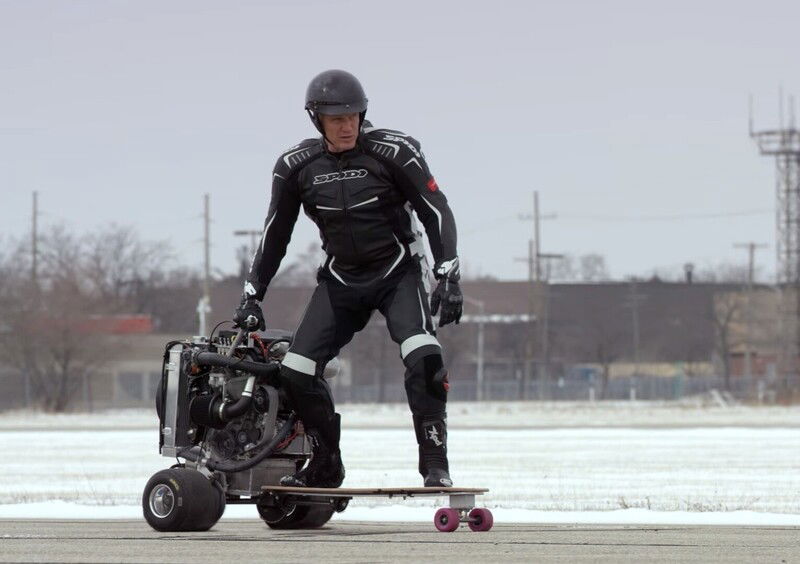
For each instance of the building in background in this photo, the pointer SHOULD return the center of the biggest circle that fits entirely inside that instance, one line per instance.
(615, 340)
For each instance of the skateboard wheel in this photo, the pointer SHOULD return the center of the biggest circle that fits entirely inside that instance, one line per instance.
(480, 519)
(446, 520)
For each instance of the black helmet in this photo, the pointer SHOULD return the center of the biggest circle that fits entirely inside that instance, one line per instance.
(335, 92)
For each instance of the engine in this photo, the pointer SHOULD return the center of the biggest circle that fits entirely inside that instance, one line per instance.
(222, 410)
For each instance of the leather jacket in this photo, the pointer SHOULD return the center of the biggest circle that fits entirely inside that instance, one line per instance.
(362, 201)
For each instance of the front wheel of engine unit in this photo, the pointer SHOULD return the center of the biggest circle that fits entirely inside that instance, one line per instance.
(181, 499)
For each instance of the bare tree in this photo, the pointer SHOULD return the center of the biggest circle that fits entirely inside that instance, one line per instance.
(726, 312)
(303, 270)
(724, 272)
(119, 266)
(49, 331)
(564, 270)
(721, 272)
(45, 322)
(593, 268)
(590, 267)
(607, 344)
(471, 272)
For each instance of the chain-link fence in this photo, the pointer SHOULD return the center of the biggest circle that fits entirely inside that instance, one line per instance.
(137, 390)
(640, 387)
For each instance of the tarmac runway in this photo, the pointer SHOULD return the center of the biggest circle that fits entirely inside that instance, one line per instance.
(250, 541)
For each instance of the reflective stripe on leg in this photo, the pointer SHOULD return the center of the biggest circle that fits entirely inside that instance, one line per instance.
(416, 341)
(300, 363)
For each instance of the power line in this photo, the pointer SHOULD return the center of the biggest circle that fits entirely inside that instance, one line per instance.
(498, 222)
(666, 217)
(491, 224)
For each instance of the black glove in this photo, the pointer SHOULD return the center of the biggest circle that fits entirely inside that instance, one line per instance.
(249, 316)
(448, 295)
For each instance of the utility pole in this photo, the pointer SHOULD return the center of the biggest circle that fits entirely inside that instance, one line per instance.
(206, 245)
(531, 260)
(252, 233)
(204, 305)
(748, 345)
(535, 291)
(536, 236)
(545, 338)
(634, 301)
(34, 278)
(535, 243)
(479, 373)
(35, 240)
(482, 318)
(751, 255)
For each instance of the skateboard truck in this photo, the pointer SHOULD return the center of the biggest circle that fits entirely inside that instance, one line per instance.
(462, 510)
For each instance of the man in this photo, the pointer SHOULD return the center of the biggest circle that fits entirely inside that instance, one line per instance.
(359, 185)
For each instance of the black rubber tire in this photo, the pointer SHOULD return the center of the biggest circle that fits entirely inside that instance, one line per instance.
(220, 500)
(180, 499)
(206, 503)
(316, 517)
(271, 514)
(304, 517)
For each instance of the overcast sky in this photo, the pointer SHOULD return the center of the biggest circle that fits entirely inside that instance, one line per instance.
(129, 112)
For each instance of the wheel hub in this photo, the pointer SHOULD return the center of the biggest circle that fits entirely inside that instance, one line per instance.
(162, 500)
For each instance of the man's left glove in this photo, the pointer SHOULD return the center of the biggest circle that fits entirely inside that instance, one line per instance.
(448, 295)
(249, 316)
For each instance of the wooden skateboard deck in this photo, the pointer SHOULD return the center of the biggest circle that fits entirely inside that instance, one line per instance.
(447, 519)
(380, 492)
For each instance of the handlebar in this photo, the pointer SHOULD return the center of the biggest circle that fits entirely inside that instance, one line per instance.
(241, 334)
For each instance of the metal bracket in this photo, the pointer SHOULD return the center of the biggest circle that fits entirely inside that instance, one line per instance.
(462, 501)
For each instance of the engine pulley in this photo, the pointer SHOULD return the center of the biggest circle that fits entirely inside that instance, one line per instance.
(261, 400)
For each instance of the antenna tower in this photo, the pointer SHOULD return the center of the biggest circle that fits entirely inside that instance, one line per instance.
(783, 143)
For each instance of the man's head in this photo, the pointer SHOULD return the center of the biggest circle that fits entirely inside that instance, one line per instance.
(335, 96)
(340, 131)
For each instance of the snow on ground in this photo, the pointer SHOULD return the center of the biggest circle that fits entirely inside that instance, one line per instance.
(543, 462)
(700, 411)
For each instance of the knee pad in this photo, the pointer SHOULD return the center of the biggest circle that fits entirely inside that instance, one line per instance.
(427, 385)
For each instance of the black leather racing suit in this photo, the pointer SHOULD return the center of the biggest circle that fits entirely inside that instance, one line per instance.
(362, 202)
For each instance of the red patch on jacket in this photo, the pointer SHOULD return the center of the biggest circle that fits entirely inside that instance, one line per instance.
(432, 186)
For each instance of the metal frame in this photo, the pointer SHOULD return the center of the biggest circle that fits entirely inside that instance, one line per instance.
(171, 402)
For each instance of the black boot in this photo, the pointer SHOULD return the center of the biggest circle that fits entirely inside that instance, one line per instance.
(432, 441)
(325, 469)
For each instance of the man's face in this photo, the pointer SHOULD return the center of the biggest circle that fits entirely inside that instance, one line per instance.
(341, 131)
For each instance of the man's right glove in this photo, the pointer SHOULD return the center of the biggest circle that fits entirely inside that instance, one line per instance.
(249, 316)
(448, 295)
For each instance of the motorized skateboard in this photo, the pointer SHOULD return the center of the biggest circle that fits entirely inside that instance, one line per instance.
(447, 519)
